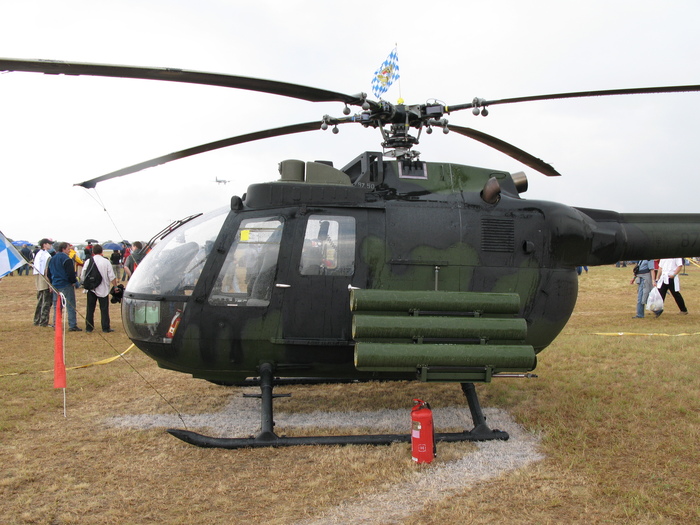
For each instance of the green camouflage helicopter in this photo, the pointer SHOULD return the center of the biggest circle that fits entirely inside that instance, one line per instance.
(389, 268)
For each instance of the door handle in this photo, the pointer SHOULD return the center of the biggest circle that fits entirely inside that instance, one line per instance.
(280, 285)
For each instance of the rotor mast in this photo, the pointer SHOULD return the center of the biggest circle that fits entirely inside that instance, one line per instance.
(399, 118)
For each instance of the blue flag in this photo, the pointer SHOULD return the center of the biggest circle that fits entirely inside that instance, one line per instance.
(385, 75)
(10, 258)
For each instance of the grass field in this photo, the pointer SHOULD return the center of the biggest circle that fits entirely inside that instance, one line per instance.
(618, 416)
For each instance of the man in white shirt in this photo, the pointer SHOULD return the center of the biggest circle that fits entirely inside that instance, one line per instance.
(668, 280)
(101, 293)
(43, 292)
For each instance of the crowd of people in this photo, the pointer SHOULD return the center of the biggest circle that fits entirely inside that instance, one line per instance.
(59, 270)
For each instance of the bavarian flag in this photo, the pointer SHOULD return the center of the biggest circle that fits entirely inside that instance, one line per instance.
(10, 258)
(386, 74)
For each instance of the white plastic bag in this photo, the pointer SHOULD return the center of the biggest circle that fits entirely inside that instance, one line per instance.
(655, 302)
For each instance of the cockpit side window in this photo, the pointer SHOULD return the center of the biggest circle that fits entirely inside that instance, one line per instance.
(247, 276)
(329, 246)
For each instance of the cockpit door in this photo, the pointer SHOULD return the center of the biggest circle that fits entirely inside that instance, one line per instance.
(316, 285)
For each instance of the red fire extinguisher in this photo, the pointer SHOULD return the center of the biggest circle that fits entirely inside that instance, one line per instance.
(423, 448)
(174, 324)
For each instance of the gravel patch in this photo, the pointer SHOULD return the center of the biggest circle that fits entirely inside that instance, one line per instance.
(491, 459)
(241, 418)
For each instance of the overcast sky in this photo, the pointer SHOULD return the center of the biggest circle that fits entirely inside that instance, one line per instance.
(629, 154)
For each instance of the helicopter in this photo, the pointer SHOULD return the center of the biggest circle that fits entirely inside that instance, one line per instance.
(389, 268)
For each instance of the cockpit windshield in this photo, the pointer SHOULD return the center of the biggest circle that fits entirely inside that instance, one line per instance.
(175, 264)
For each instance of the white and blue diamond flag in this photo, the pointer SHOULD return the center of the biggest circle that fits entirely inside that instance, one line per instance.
(10, 258)
(385, 75)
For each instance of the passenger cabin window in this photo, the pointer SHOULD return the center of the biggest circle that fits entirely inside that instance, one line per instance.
(329, 246)
(247, 276)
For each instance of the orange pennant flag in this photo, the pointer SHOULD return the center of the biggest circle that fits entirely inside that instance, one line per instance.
(59, 365)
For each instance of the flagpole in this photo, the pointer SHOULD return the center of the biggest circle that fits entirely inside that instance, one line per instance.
(65, 405)
(400, 101)
(59, 373)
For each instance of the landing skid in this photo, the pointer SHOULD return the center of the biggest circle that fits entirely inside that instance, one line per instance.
(268, 438)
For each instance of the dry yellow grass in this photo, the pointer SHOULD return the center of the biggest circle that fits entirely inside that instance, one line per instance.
(619, 417)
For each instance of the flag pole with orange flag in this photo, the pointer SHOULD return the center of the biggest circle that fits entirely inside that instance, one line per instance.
(59, 357)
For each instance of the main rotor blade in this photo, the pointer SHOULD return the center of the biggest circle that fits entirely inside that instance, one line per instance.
(56, 67)
(577, 94)
(508, 149)
(240, 139)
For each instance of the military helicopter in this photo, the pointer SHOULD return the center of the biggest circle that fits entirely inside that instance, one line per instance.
(389, 268)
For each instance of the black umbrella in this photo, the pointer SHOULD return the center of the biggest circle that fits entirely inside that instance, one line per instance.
(92, 240)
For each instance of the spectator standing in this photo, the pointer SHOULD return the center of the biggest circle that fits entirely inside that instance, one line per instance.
(137, 255)
(64, 280)
(27, 255)
(43, 291)
(116, 259)
(669, 280)
(101, 293)
(125, 257)
(644, 276)
(73, 254)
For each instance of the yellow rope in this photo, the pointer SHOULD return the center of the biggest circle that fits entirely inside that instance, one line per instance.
(101, 362)
(646, 334)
